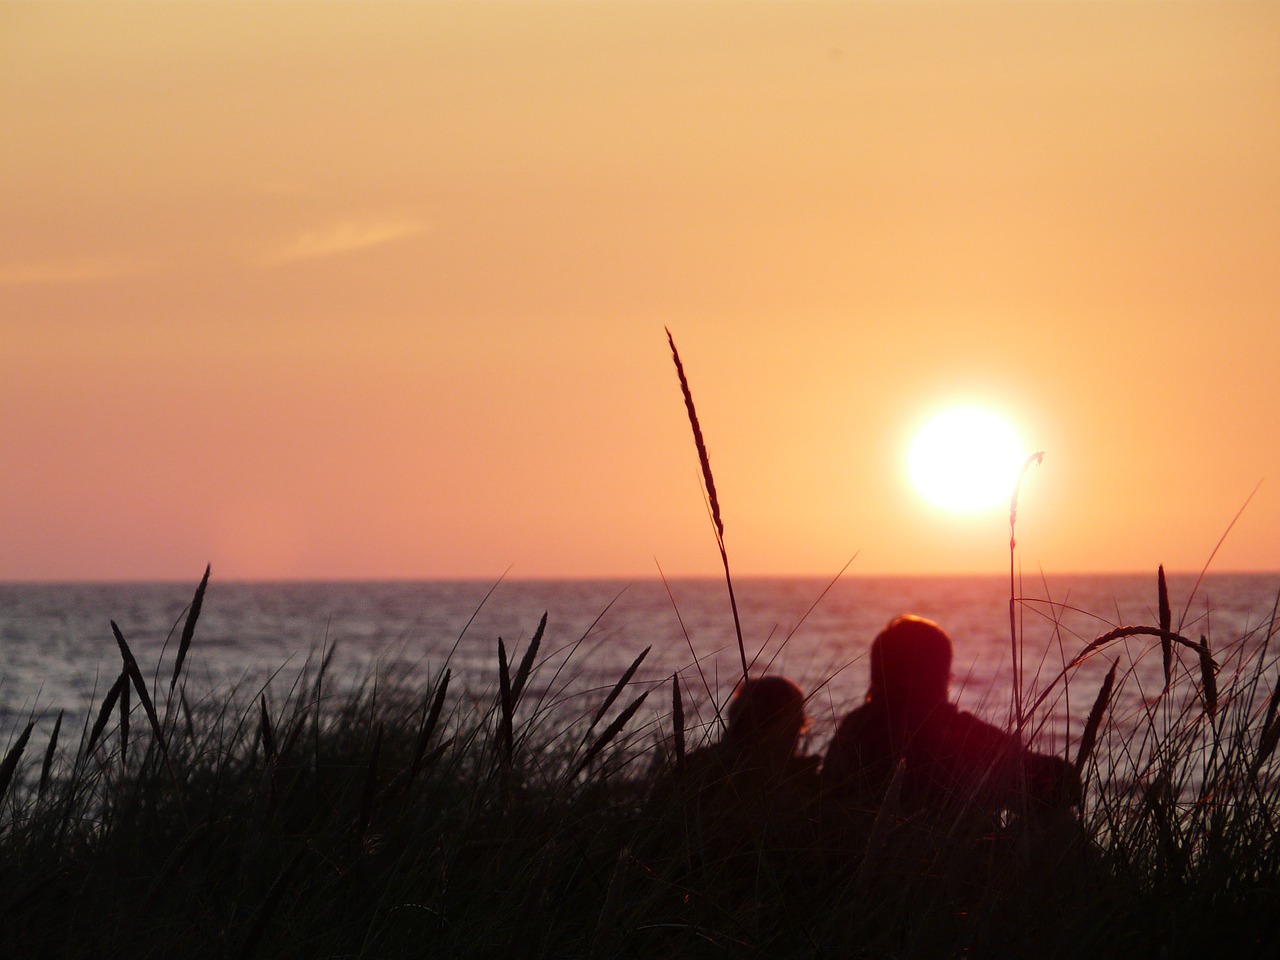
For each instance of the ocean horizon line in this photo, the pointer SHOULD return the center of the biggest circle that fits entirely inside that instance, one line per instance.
(622, 578)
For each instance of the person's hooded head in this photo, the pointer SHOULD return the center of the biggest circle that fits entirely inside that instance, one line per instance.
(910, 666)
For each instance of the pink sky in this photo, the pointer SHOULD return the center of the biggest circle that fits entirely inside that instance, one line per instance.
(379, 289)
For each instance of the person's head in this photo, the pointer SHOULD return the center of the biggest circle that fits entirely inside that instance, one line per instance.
(910, 665)
(767, 713)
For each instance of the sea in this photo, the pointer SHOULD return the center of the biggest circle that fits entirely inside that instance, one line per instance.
(58, 651)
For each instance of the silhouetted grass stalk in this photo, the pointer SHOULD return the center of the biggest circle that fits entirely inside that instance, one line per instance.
(1016, 708)
(710, 483)
(189, 628)
(386, 832)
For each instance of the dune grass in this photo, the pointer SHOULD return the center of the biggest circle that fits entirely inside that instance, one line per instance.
(410, 819)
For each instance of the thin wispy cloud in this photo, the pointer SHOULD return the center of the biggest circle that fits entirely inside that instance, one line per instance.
(343, 237)
(61, 270)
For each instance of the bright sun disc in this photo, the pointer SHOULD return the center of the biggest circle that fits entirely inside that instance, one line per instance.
(965, 458)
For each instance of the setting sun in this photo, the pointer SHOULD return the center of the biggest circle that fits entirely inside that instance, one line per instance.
(965, 458)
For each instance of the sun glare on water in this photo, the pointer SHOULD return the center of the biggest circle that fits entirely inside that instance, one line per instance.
(965, 458)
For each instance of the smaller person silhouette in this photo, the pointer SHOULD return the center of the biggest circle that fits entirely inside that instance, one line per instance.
(949, 757)
(755, 760)
(728, 827)
(750, 790)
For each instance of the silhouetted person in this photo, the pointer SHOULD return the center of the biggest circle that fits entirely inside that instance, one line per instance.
(950, 758)
(725, 826)
(755, 761)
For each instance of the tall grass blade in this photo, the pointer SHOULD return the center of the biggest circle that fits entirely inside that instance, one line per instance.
(1035, 458)
(422, 760)
(424, 734)
(1273, 702)
(265, 732)
(104, 712)
(1118, 633)
(370, 783)
(430, 759)
(1096, 713)
(47, 766)
(1166, 627)
(269, 904)
(125, 710)
(526, 662)
(707, 478)
(186, 714)
(189, 627)
(1214, 552)
(505, 729)
(1160, 802)
(572, 647)
(1208, 677)
(606, 921)
(710, 483)
(618, 687)
(295, 733)
(1270, 734)
(429, 726)
(677, 721)
(132, 672)
(805, 616)
(324, 668)
(10, 764)
(697, 663)
(195, 837)
(610, 732)
(140, 685)
(886, 816)
(437, 705)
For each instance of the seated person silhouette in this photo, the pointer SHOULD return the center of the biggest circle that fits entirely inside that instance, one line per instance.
(756, 757)
(950, 758)
(726, 823)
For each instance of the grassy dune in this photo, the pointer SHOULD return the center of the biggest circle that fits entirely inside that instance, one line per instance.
(411, 819)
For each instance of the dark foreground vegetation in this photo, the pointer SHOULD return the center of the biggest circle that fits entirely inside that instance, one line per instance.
(413, 819)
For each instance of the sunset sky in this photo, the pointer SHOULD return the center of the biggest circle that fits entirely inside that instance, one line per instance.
(374, 290)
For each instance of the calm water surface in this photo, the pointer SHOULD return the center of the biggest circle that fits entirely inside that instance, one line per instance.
(57, 650)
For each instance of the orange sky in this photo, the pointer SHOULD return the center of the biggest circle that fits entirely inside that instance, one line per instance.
(379, 289)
